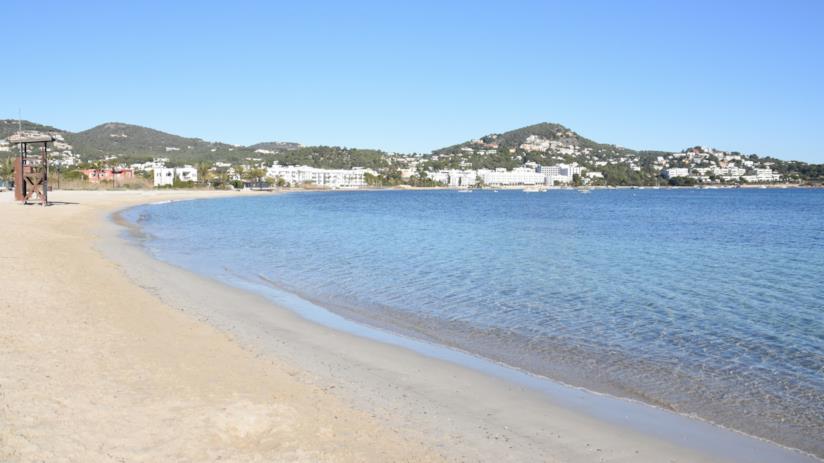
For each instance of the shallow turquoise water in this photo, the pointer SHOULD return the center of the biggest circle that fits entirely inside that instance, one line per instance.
(708, 302)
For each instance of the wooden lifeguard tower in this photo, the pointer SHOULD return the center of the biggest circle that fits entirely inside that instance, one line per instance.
(31, 171)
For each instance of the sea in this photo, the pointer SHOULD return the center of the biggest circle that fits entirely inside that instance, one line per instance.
(707, 302)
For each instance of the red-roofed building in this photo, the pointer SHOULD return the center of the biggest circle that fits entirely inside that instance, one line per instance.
(108, 175)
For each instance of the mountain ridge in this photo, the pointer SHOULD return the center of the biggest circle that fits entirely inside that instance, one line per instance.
(545, 143)
(131, 141)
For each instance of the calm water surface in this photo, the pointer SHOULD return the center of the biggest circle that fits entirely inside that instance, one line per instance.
(708, 302)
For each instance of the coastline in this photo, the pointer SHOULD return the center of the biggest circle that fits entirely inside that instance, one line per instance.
(423, 406)
(629, 415)
(96, 368)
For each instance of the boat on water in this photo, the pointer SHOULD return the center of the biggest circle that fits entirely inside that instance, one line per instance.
(584, 190)
(464, 190)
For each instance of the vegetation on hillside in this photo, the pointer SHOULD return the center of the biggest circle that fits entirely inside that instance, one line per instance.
(10, 127)
(333, 157)
(132, 142)
(126, 143)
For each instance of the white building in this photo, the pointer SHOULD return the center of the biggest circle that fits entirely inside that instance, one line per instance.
(439, 176)
(516, 176)
(149, 165)
(165, 176)
(673, 172)
(766, 175)
(729, 171)
(330, 178)
(561, 173)
(462, 178)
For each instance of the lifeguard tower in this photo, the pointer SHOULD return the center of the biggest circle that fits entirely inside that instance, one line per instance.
(31, 171)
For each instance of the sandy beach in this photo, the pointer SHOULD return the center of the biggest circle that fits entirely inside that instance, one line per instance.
(109, 355)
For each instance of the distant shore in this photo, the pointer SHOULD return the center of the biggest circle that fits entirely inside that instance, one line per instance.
(127, 357)
(197, 190)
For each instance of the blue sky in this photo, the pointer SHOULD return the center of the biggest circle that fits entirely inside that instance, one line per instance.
(415, 76)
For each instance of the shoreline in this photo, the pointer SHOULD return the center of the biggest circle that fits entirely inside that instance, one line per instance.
(648, 419)
(96, 368)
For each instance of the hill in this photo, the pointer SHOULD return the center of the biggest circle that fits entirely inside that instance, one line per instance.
(542, 144)
(10, 127)
(547, 144)
(550, 144)
(127, 141)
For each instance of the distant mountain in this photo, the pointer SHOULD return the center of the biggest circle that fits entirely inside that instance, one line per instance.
(10, 127)
(547, 144)
(128, 142)
(133, 141)
(544, 144)
(544, 140)
(551, 144)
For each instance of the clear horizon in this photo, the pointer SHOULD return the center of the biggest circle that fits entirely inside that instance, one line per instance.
(744, 76)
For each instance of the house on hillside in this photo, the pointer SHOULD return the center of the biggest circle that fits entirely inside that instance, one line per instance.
(116, 174)
(165, 176)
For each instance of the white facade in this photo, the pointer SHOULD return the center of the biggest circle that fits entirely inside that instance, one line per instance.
(766, 175)
(462, 178)
(165, 176)
(561, 173)
(149, 165)
(332, 178)
(673, 172)
(730, 171)
(517, 176)
(440, 176)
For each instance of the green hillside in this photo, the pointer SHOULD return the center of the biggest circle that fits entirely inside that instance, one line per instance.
(333, 157)
(10, 126)
(509, 150)
(513, 139)
(127, 141)
(550, 144)
(543, 144)
(276, 146)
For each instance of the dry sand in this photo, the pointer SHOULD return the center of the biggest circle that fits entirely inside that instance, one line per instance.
(108, 355)
(94, 368)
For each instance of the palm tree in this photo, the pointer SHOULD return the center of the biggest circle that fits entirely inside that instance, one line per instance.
(223, 176)
(240, 171)
(6, 168)
(204, 171)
